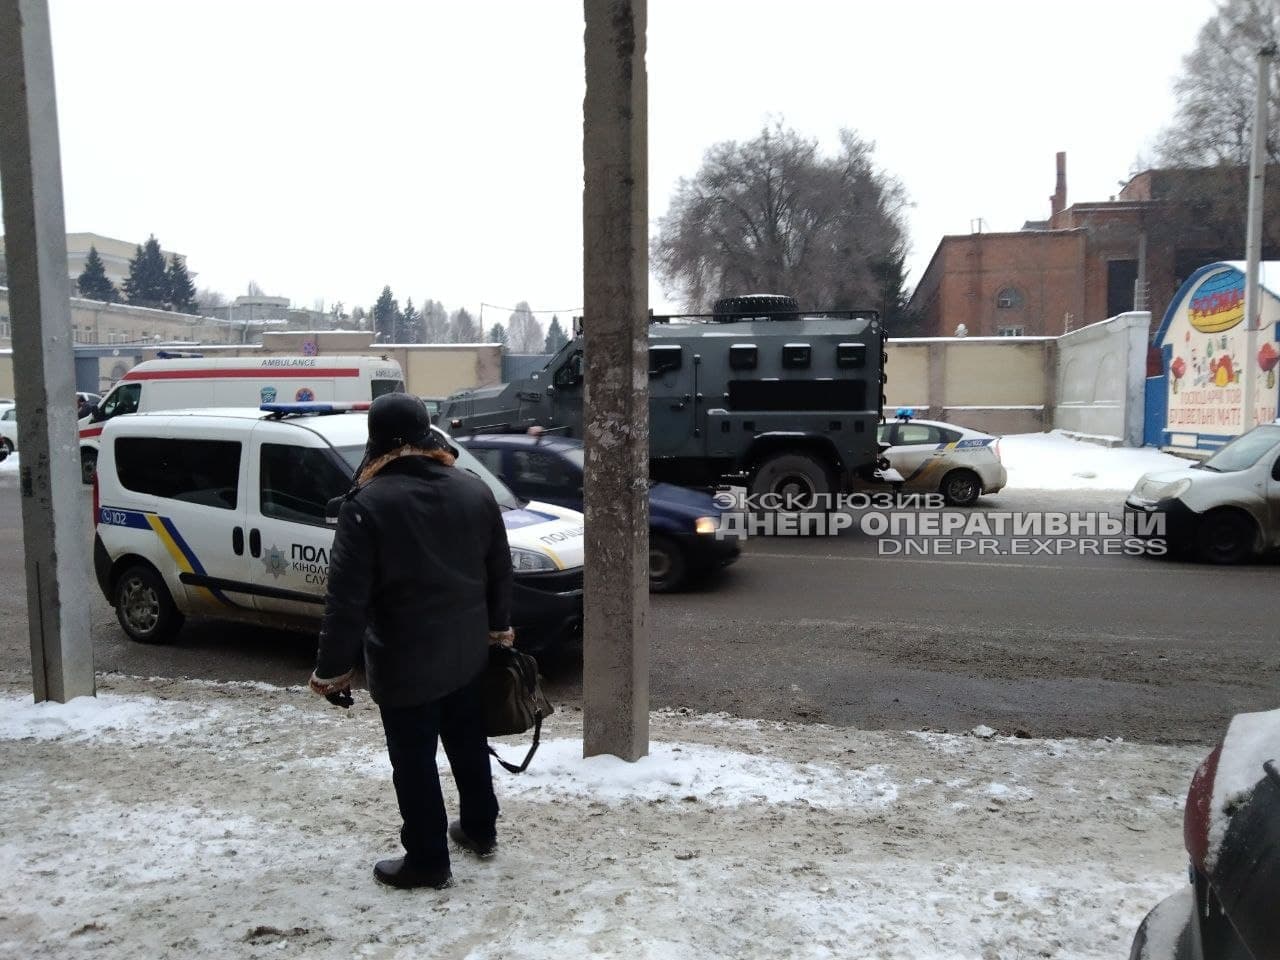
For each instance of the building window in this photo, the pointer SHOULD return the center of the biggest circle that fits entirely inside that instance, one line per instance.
(115, 336)
(1009, 298)
(1010, 332)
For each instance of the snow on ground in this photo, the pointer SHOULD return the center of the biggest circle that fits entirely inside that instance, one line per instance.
(172, 818)
(1052, 461)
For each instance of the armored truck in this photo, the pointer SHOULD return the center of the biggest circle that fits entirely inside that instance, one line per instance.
(758, 392)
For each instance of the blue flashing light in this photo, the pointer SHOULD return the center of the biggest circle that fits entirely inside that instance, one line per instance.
(905, 413)
(314, 406)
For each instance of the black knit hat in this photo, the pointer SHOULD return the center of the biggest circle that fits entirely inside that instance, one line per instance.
(398, 420)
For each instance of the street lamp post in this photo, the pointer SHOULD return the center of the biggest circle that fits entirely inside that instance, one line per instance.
(1253, 236)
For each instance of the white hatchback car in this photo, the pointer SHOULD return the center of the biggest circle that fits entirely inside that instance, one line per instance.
(931, 456)
(8, 429)
(225, 514)
(1227, 508)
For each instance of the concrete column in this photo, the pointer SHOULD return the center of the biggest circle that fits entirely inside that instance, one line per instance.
(937, 385)
(55, 518)
(615, 221)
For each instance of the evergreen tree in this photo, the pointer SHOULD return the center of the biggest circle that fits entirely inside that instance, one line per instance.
(385, 312)
(359, 316)
(556, 337)
(498, 334)
(410, 324)
(182, 292)
(463, 327)
(148, 282)
(93, 281)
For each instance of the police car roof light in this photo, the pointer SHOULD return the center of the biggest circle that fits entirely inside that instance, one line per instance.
(905, 413)
(314, 407)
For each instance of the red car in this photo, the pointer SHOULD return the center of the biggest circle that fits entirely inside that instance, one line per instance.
(1230, 909)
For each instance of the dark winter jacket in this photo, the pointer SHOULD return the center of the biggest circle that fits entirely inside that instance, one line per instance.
(421, 560)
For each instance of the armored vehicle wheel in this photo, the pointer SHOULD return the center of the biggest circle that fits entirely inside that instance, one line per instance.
(143, 606)
(797, 478)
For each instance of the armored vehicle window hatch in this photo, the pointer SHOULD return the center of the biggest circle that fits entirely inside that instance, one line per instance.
(795, 356)
(665, 358)
(743, 356)
(851, 355)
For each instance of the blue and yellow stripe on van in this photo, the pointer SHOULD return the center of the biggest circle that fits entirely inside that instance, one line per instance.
(172, 540)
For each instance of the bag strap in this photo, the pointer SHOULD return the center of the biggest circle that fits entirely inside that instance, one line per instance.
(537, 736)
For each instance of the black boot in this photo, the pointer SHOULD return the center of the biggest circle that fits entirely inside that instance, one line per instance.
(403, 875)
(459, 836)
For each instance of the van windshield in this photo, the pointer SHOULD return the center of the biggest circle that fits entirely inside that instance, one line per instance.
(466, 460)
(1243, 452)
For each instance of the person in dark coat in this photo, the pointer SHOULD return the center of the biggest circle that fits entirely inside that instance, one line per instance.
(420, 584)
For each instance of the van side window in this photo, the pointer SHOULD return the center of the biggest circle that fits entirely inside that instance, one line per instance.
(206, 472)
(378, 387)
(297, 483)
(123, 400)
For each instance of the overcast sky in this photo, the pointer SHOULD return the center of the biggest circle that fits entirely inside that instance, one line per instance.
(324, 149)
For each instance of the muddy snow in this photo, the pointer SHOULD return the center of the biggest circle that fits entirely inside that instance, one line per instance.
(190, 819)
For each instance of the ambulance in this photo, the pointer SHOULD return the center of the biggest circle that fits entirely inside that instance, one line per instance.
(228, 514)
(193, 382)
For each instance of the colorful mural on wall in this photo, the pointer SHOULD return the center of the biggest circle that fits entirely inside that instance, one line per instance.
(1204, 342)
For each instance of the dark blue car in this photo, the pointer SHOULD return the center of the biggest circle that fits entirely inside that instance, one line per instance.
(682, 543)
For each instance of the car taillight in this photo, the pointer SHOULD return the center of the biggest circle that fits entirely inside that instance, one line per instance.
(1196, 815)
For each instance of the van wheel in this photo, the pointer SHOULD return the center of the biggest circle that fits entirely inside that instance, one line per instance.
(961, 488)
(1226, 537)
(143, 606)
(6, 447)
(667, 567)
(88, 464)
(797, 477)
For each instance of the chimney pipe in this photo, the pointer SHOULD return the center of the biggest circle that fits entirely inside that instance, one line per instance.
(1058, 202)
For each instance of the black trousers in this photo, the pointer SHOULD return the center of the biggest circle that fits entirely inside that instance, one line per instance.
(456, 720)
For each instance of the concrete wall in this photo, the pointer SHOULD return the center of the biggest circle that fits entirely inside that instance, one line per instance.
(6, 373)
(997, 384)
(1101, 378)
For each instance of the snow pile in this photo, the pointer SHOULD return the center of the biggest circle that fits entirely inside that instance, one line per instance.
(201, 820)
(1051, 461)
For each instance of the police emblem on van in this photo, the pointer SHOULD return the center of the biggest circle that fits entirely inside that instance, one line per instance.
(276, 562)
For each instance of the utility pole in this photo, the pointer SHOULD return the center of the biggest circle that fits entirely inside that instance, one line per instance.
(55, 524)
(1253, 237)
(615, 228)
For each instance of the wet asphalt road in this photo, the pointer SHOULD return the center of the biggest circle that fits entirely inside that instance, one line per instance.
(829, 630)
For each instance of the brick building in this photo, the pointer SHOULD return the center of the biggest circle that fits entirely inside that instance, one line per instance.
(1088, 260)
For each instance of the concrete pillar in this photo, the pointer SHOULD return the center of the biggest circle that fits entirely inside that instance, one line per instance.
(937, 385)
(55, 521)
(615, 222)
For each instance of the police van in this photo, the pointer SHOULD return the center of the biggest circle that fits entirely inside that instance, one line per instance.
(187, 383)
(224, 514)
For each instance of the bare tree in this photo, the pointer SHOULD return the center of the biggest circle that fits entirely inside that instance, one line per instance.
(524, 332)
(208, 299)
(1214, 122)
(773, 215)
